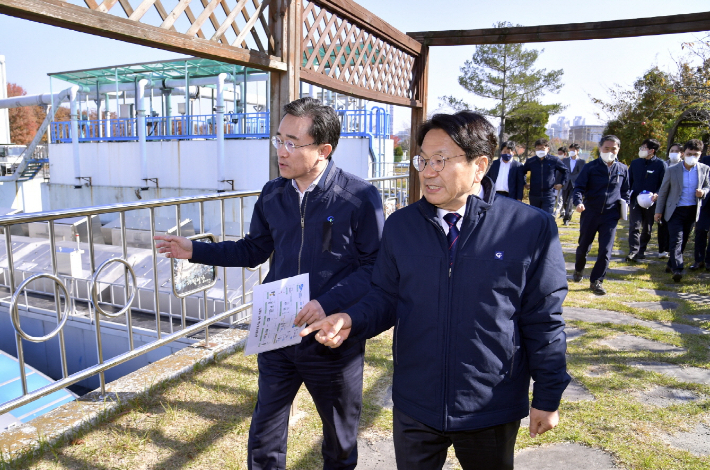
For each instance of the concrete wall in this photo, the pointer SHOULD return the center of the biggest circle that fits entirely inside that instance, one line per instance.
(80, 341)
(187, 165)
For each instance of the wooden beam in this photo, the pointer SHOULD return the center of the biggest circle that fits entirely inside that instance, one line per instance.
(354, 13)
(674, 24)
(322, 80)
(421, 85)
(65, 15)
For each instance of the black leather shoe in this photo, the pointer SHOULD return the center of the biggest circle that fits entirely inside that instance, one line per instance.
(631, 258)
(597, 288)
(640, 256)
(696, 266)
(677, 276)
(577, 276)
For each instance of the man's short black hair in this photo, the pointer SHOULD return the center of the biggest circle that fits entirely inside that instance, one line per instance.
(508, 144)
(695, 145)
(562, 149)
(542, 141)
(611, 138)
(326, 125)
(676, 144)
(470, 131)
(651, 144)
(574, 146)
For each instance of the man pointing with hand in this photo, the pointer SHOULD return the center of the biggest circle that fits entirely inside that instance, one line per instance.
(475, 316)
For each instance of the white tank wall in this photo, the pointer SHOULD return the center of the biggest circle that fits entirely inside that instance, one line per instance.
(25, 196)
(190, 164)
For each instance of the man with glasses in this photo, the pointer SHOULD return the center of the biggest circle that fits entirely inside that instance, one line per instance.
(645, 176)
(314, 219)
(474, 315)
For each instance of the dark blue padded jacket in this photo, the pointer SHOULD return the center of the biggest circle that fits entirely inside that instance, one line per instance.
(601, 187)
(334, 236)
(545, 173)
(466, 341)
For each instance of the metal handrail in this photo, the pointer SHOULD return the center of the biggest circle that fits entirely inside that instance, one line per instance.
(390, 188)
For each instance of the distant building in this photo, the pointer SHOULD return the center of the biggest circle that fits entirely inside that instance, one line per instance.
(560, 129)
(586, 133)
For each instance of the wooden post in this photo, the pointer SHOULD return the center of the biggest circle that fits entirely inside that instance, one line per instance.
(286, 24)
(421, 85)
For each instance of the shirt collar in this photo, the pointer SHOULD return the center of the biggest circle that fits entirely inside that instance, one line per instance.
(312, 186)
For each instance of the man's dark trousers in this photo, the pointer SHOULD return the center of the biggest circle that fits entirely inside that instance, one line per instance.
(333, 381)
(679, 227)
(640, 228)
(589, 225)
(663, 242)
(420, 447)
(702, 228)
(568, 205)
(545, 202)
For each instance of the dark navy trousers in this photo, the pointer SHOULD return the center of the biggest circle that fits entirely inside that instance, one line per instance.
(663, 242)
(592, 223)
(545, 202)
(640, 228)
(679, 227)
(702, 227)
(334, 381)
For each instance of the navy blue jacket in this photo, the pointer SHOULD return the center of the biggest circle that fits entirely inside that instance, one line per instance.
(600, 187)
(466, 341)
(544, 174)
(338, 255)
(705, 208)
(645, 175)
(516, 179)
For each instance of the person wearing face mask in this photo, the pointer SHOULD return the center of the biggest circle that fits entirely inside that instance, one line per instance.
(702, 228)
(547, 173)
(674, 157)
(574, 164)
(645, 174)
(598, 192)
(505, 173)
(680, 200)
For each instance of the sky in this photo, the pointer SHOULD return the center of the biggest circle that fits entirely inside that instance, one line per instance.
(590, 67)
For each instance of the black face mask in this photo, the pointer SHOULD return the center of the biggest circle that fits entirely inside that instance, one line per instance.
(506, 157)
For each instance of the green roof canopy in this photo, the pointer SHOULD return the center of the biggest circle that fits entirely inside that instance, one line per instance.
(167, 69)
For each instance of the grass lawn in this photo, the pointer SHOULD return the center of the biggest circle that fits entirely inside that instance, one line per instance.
(202, 420)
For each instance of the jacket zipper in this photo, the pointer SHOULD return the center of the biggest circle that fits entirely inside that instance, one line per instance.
(606, 194)
(542, 176)
(302, 210)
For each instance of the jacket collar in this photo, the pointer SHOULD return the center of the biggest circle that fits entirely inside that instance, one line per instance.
(474, 205)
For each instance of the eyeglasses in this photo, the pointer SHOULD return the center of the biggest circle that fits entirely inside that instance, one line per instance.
(290, 146)
(436, 162)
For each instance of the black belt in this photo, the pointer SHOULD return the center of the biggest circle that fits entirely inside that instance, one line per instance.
(504, 193)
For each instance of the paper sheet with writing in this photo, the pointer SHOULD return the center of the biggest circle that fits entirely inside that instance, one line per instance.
(274, 310)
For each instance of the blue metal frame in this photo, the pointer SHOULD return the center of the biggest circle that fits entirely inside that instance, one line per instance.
(373, 123)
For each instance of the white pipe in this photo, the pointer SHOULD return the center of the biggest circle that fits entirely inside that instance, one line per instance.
(75, 134)
(219, 122)
(140, 112)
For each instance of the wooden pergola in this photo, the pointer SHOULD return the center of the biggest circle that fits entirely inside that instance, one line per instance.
(334, 44)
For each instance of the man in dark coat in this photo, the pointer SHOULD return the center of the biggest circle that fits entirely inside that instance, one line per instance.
(505, 173)
(547, 174)
(474, 315)
(574, 164)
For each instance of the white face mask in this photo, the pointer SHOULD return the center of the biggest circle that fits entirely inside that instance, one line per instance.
(674, 156)
(572, 153)
(608, 157)
(540, 153)
(691, 161)
(643, 153)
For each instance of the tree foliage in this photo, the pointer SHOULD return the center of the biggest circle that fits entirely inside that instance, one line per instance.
(23, 123)
(529, 124)
(504, 73)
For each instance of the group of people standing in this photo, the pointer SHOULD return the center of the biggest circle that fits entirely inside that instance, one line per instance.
(671, 193)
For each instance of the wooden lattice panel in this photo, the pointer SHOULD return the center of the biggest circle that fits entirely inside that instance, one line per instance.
(238, 23)
(353, 59)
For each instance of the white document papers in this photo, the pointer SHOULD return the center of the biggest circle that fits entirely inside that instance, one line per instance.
(275, 306)
(624, 210)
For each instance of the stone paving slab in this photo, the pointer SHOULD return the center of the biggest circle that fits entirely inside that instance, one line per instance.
(697, 298)
(696, 442)
(683, 374)
(666, 396)
(573, 333)
(660, 305)
(561, 456)
(612, 270)
(698, 318)
(575, 391)
(634, 343)
(375, 454)
(593, 315)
